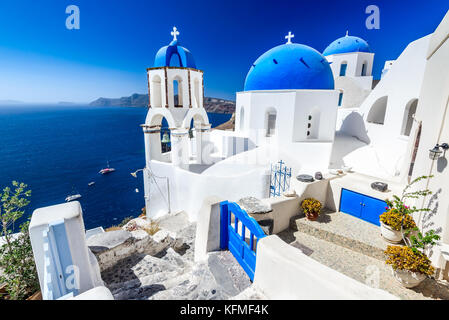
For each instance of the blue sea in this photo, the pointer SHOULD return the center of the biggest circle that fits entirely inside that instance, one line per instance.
(58, 150)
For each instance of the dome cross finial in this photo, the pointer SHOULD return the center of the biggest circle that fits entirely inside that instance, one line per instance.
(289, 37)
(175, 33)
(347, 32)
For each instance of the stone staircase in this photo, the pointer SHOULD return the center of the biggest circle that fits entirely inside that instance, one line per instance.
(355, 248)
(172, 274)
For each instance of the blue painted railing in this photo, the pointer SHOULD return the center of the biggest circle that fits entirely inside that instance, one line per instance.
(235, 225)
(58, 265)
(280, 178)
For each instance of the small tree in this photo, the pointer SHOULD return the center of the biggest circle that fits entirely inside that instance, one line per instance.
(18, 270)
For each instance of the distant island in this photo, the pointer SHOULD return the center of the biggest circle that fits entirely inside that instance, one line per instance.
(214, 105)
(10, 102)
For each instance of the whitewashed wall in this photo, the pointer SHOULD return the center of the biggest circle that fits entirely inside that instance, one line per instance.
(188, 190)
(387, 149)
(283, 272)
(433, 111)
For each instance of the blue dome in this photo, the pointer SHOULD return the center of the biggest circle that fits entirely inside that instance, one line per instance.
(347, 44)
(290, 66)
(174, 55)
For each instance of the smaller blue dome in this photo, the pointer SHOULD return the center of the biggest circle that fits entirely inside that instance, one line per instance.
(290, 66)
(347, 44)
(174, 55)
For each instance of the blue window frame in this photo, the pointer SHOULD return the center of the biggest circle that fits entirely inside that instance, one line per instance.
(364, 70)
(343, 68)
(340, 98)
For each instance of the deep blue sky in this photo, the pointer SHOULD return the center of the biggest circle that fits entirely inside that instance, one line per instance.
(42, 61)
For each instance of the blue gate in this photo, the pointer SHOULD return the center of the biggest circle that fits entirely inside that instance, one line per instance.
(240, 233)
(280, 178)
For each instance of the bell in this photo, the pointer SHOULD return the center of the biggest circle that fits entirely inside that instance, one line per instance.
(165, 138)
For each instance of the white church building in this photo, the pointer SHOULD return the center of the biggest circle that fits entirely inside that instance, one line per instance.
(317, 112)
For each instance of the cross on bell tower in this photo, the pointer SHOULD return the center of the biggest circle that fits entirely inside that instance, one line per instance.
(289, 37)
(175, 33)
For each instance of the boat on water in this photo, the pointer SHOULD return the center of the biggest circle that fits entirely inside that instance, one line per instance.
(107, 170)
(91, 183)
(72, 197)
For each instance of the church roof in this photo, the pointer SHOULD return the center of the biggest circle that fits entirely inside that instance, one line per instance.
(174, 55)
(290, 66)
(347, 44)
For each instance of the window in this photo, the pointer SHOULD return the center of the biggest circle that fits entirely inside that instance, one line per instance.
(378, 111)
(270, 122)
(242, 118)
(364, 69)
(155, 92)
(409, 113)
(196, 89)
(177, 93)
(343, 68)
(314, 124)
(340, 98)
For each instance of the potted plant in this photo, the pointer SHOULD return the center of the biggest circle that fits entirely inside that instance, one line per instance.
(397, 222)
(392, 223)
(410, 263)
(311, 208)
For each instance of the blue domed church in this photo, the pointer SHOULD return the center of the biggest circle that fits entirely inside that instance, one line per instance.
(351, 61)
(291, 84)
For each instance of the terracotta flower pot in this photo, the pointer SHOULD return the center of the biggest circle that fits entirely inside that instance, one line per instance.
(312, 216)
(407, 278)
(389, 234)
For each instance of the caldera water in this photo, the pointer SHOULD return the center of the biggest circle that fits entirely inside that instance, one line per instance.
(58, 150)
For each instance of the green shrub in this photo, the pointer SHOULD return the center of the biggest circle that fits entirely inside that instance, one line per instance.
(19, 273)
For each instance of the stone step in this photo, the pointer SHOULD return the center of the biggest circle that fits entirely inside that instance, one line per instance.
(129, 272)
(250, 293)
(361, 267)
(198, 284)
(345, 230)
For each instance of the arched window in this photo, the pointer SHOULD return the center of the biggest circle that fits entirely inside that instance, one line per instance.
(165, 136)
(196, 92)
(409, 112)
(313, 125)
(340, 98)
(177, 92)
(270, 122)
(378, 111)
(364, 66)
(343, 67)
(242, 118)
(156, 92)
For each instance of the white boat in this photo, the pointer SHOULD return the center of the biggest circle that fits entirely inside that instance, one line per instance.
(91, 183)
(72, 197)
(107, 170)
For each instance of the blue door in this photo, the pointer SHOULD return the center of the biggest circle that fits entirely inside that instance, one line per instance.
(372, 208)
(361, 206)
(351, 203)
(234, 225)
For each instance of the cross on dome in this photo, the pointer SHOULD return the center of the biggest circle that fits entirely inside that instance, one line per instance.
(289, 37)
(347, 32)
(175, 33)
